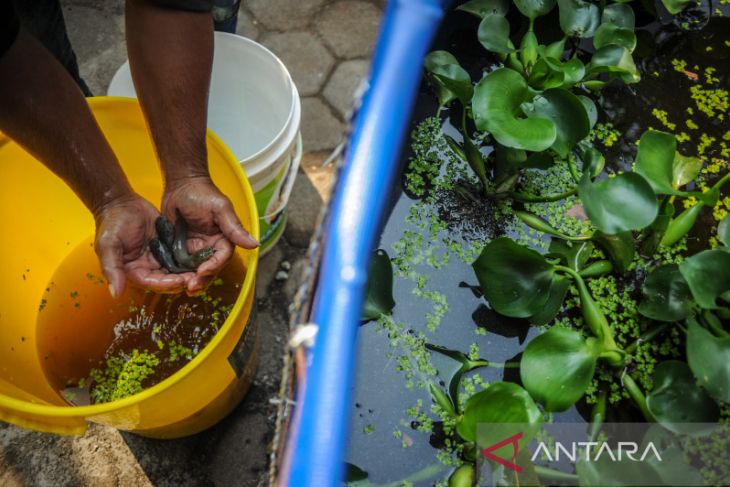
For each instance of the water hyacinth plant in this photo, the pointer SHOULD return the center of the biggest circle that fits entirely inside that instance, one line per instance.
(629, 310)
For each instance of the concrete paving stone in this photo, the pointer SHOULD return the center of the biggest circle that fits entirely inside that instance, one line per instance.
(247, 25)
(321, 176)
(349, 27)
(284, 14)
(307, 60)
(321, 130)
(97, 36)
(100, 457)
(303, 214)
(343, 84)
(115, 6)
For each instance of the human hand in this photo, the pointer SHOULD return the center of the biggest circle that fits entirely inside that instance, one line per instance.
(211, 221)
(124, 227)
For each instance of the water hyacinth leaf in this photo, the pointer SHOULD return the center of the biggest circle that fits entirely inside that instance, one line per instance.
(507, 161)
(528, 49)
(456, 80)
(674, 467)
(545, 77)
(538, 223)
(568, 114)
(618, 204)
(573, 70)
(496, 107)
(554, 50)
(619, 247)
(493, 34)
(655, 160)
(440, 398)
(379, 290)
(684, 169)
(619, 14)
(723, 231)
(455, 147)
(578, 18)
(682, 224)
(605, 471)
(463, 476)
(591, 159)
(538, 160)
(666, 295)
(557, 367)
(515, 280)
(655, 233)
(438, 58)
(574, 255)
(554, 303)
(533, 9)
(610, 34)
(507, 407)
(591, 109)
(615, 60)
(677, 399)
(709, 358)
(597, 269)
(353, 474)
(474, 158)
(455, 379)
(481, 8)
(448, 352)
(676, 6)
(707, 275)
(434, 60)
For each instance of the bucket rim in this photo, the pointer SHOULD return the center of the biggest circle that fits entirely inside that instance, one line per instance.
(247, 288)
(270, 155)
(294, 93)
(295, 105)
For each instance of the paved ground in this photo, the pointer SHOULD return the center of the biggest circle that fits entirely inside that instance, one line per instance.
(326, 46)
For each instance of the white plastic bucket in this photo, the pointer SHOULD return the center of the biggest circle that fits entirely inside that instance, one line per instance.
(254, 108)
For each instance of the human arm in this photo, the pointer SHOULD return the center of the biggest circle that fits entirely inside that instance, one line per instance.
(43, 110)
(170, 54)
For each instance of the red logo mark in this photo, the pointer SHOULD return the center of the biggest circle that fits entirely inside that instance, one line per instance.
(487, 452)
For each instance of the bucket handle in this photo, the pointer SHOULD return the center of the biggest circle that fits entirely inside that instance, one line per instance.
(290, 178)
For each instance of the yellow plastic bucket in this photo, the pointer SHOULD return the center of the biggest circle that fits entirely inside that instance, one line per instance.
(43, 221)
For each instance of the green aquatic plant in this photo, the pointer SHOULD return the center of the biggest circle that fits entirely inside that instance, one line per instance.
(531, 107)
(379, 290)
(123, 376)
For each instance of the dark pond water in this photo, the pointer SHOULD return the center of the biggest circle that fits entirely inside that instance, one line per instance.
(433, 244)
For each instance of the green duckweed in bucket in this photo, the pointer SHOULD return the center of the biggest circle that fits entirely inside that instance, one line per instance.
(254, 108)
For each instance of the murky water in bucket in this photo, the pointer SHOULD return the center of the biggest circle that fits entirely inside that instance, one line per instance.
(87, 339)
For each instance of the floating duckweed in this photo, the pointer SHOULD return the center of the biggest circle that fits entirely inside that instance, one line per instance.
(605, 133)
(711, 101)
(706, 141)
(662, 116)
(123, 376)
(721, 210)
(178, 351)
(368, 429)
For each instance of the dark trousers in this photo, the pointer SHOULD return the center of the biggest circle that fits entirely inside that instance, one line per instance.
(44, 20)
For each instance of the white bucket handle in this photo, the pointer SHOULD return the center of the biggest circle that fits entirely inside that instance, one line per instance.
(290, 178)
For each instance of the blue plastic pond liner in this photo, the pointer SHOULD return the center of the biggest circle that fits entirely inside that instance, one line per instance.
(318, 433)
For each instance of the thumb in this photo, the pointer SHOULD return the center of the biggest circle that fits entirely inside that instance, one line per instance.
(110, 256)
(231, 227)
